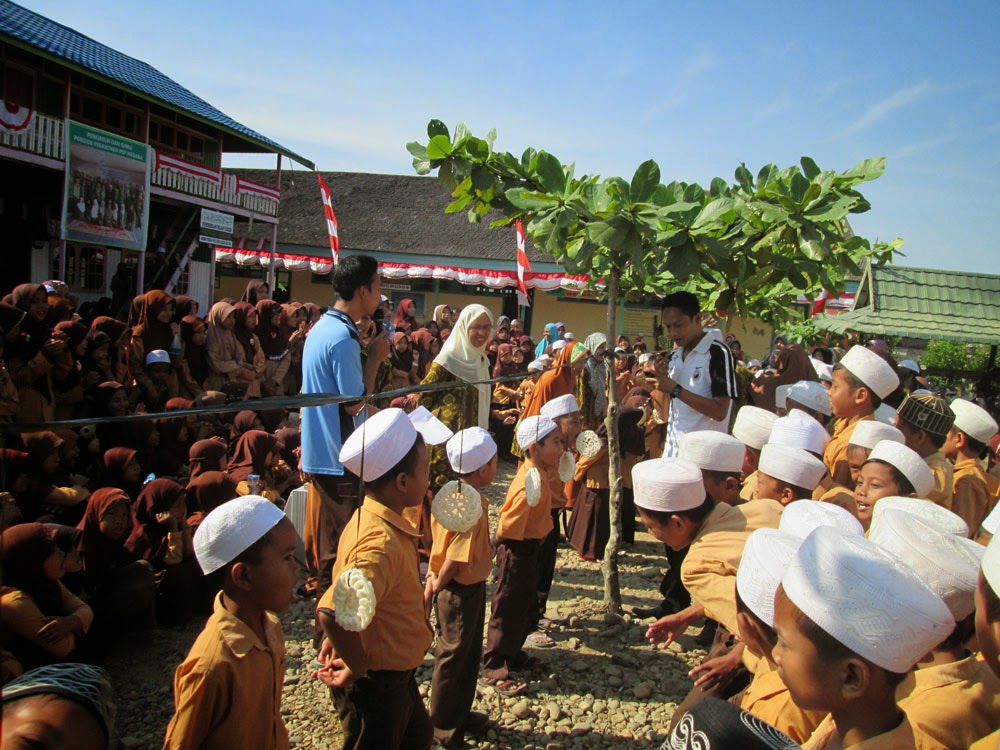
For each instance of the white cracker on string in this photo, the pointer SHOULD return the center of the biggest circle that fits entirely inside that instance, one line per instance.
(457, 506)
(567, 466)
(588, 444)
(533, 486)
(354, 600)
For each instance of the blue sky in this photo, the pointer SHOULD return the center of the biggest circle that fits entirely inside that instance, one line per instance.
(699, 88)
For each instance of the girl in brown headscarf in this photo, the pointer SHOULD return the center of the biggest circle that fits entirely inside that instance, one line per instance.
(122, 470)
(257, 290)
(402, 361)
(244, 421)
(207, 455)
(207, 492)
(194, 367)
(791, 365)
(406, 316)
(257, 453)
(30, 356)
(226, 355)
(425, 347)
(42, 497)
(272, 336)
(153, 329)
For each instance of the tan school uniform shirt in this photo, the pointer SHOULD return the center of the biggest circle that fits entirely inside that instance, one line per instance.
(749, 487)
(471, 547)
(383, 545)
(944, 479)
(520, 521)
(768, 699)
(227, 692)
(903, 737)
(975, 491)
(835, 454)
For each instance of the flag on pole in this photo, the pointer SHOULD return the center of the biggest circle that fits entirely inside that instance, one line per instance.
(331, 219)
(522, 266)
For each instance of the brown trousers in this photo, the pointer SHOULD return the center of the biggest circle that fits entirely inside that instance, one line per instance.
(461, 612)
(511, 610)
(383, 710)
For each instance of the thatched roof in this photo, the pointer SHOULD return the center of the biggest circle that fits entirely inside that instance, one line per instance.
(382, 213)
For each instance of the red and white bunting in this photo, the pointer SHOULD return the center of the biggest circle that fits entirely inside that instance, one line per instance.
(200, 171)
(254, 188)
(15, 117)
(522, 266)
(331, 219)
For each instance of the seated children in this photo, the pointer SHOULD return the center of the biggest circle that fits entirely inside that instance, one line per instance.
(460, 563)
(851, 623)
(966, 446)
(988, 623)
(227, 692)
(892, 469)
(788, 474)
(369, 668)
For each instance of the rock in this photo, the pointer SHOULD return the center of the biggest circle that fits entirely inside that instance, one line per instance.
(614, 680)
(612, 618)
(578, 665)
(291, 679)
(642, 691)
(573, 621)
(521, 709)
(650, 573)
(131, 742)
(573, 643)
(579, 730)
(675, 647)
(554, 711)
(598, 708)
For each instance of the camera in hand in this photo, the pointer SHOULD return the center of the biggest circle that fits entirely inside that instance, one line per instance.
(378, 317)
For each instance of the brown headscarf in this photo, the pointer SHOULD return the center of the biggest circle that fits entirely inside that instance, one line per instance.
(251, 454)
(792, 365)
(148, 540)
(115, 461)
(24, 548)
(273, 338)
(100, 553)
(222, 343)
(154, 334)
(252, 294)
(206, 455)
(195, 355)
(243, 334)
(209, 490)
(242, 422)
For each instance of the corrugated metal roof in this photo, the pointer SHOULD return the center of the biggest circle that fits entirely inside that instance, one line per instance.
(52, 39)
(925, 303)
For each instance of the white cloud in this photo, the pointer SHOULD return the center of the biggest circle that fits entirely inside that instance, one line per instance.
(897, 100)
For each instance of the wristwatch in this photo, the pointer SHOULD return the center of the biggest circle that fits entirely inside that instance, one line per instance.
(676, 392)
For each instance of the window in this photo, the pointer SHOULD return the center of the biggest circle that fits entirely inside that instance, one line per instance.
(84, 268)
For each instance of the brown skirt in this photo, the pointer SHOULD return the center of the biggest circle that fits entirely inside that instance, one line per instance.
(590, 523)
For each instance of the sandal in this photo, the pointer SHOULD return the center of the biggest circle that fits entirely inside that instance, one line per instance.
(506, 686)
(538, 639)
(546, 624)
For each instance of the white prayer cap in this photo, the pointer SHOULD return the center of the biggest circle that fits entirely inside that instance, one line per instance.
(569, 336)
(885, 414)
(992, 522)
(823, 371)
(974, 420)
(382, 440)
(157, 356)
(909, 364)
(948, 564)
(766, 556)
(991, 564)
(800, 518)
(753, 363)
(560, 406)
(470, 449)
(231, 528)
(869, 433)
(781, 396)
(667, 484)
(799, 430)
(558, 344)
(753, 426)
(908, 462)
(545, 358)
(644, 358)
(933, 514)
(810, 394)
(711, 450)
(536, 365)
(871, 369)
(859, 595)
(533, 429)
(792, 465)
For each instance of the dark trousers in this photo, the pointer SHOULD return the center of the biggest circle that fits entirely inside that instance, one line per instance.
(383, 711)
(516, 593)
(461, 612)
(628, 516)
(736, 682)
(671, 587)
(546, 568)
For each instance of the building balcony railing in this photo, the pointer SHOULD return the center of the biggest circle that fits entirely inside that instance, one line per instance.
(45, 136)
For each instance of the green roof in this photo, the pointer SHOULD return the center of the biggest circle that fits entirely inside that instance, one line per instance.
(51, 39)
(923, 303)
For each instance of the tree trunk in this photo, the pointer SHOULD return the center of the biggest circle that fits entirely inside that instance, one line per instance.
(609, 566)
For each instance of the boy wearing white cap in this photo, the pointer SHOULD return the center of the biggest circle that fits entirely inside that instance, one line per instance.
(525, 520)
(460, 563)
(810, 397)
(892, 469)
(952, 695)
(925, 421)
(227, 692)
(966, 446)
(752, 427)
(860, 381)
(787, 474)
(851, 624)
(988, 623)
(720, 458)
(370, 652)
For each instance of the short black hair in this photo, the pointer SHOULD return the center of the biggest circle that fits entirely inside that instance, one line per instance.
(978, 447)
(695, 514)
(352, 273)
(406, 465)
(855, 383)
(720, 476)
(905, 486)
(686, 302)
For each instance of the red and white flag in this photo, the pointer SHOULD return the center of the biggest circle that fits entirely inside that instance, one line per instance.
(331, 219)
(249, 187)
(522, 266)
(175, 164)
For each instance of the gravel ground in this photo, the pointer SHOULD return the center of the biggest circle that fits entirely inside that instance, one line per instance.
(600, 686)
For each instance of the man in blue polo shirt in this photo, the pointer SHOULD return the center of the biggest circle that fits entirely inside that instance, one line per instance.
(331, 363)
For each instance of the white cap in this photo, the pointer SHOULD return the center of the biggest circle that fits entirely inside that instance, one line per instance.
(711, 450)
(470, 449)
(869, 433)
(644, 358)
(781, 396)
(792, 465)
(948, 564)
(992, 522)
(667, 485)
(558, 344)
(811, 395)
(569, 336)
(885, 414)
(766, 556)
(799, 430)
(560, 406)
(382, 440)
(753, 426)
(909, 364)
(753, 363)
(908, 462)
(823, 371)
(802, 517)
(974, 420)
(533, 429)
(231, 528)
(871, 369)
(536, 365)
(861, 597)
(940, 518)
(157, 356)
(991, 564)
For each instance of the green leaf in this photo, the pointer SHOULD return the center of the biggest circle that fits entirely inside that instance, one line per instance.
(595, 198)
(491, 138)
(809, 168)
(461, 132)
(833, 210)
(715, 213)
(644, 182)
(725, 300)
(719, 188)
(421, 166)
(611, 233)
(869, 169)
(436, 127)
(459, 203)
(744, 177)
(811, 244)
(797, 189)
(439, 147)
(766, 176)
(683, 262)
(550, 173)
(417, 149)
(531, 200)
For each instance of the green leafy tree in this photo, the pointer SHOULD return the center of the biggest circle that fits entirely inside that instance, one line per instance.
(749, 247)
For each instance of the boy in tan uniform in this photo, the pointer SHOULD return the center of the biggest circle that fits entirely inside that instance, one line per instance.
(988, 623)
(460, 563)
(788, 474)
(925, 421)
(860, 381)
(369, 657)
(966, 446)
(752, 427)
